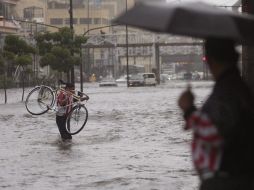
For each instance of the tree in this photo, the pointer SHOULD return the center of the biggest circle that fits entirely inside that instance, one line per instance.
(55, 49)
(17, 53)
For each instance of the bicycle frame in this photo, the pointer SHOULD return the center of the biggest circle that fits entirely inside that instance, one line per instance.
(43, 98)
(60, 89)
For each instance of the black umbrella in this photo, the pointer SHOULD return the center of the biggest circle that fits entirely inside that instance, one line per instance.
(194, 19)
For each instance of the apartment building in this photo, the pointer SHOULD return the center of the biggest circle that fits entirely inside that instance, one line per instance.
(32, 10)
(87, 14)
(7, 13)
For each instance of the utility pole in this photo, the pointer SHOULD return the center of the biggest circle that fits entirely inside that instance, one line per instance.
(127, 50)
(88, 15)
(88, 29)
(71, 27)
(248, 51)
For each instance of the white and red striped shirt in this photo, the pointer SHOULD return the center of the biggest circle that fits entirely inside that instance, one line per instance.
(64, 103)
(206, 145)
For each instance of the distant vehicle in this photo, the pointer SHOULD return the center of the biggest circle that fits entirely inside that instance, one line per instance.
(136, 80)
(122, 79)
(196, 76)
(187, 76)
(164, 78)
(107, 82)
(149, 79)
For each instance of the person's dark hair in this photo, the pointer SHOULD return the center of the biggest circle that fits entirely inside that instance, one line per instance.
(221, 50)
(69, 85)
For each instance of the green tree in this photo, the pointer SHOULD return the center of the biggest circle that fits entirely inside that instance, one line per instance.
(17, 53)
(60, 50)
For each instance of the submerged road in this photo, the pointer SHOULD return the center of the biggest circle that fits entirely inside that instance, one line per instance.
(133, 141)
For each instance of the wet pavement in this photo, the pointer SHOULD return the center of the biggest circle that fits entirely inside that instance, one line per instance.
(133, 140)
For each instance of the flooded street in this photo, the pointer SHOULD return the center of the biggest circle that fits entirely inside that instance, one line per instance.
(133, 140)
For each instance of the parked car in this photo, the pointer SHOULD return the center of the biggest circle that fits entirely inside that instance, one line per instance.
(136, 80)
(149, 79)
(107, 82)
(187, 76)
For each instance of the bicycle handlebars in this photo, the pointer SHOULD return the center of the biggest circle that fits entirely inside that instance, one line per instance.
(80, 94)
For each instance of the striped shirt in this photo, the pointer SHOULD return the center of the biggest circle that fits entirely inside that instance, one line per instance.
(223, 132)
(64, 103)
(206, 145)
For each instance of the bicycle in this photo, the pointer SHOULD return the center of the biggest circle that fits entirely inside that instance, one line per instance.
(42, 98)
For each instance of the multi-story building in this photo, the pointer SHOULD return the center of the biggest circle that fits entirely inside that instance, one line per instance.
(7, 13)
(31, 15)
(31, 10)
(87, 14)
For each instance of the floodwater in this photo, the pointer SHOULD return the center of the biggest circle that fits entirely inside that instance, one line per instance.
(133, 140)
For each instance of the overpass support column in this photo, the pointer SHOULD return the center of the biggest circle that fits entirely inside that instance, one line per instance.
(157, 62)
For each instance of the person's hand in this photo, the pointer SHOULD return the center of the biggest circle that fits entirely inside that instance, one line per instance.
(186, 100)
(84, 98)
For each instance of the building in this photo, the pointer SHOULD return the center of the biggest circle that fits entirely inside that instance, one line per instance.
(87, 14)
(7, 24)
(7, 13)
(31, 14)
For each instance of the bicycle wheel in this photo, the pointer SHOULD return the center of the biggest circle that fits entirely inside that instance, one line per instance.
(39, 100)
(76, 119)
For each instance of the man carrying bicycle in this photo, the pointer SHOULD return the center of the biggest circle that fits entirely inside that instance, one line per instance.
(71, 113)
(64, 105)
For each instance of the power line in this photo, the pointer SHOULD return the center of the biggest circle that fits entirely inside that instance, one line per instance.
(32, 22)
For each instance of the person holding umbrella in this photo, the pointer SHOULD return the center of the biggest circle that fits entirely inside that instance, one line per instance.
(223, 128)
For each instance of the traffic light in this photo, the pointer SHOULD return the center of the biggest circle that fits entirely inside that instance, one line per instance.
(204, 58)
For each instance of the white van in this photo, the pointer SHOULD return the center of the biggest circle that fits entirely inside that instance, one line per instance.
(149, 79)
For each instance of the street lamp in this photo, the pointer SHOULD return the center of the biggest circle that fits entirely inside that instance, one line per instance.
(88, 15)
